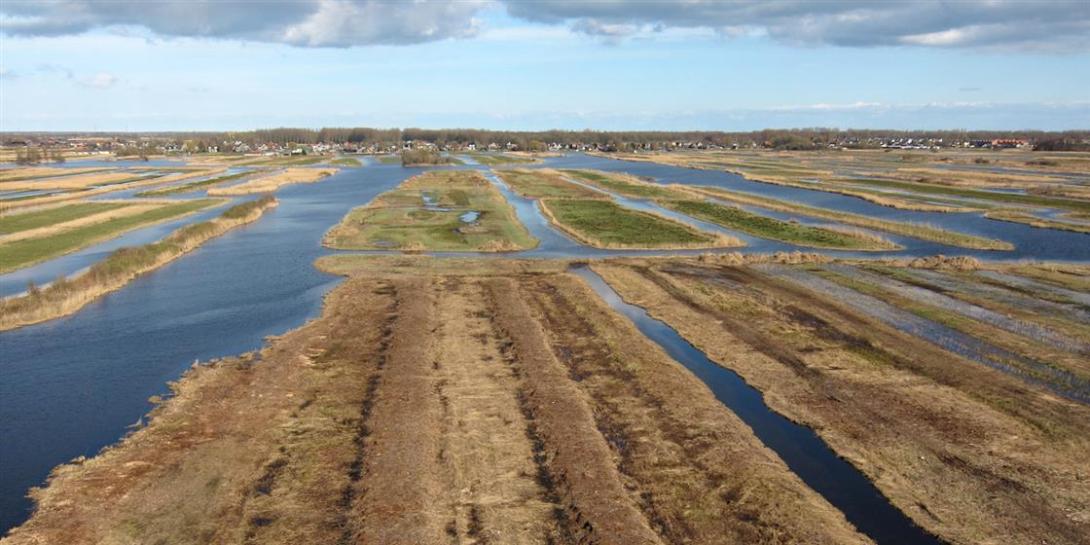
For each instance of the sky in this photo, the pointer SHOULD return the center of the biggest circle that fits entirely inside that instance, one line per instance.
(110, 65)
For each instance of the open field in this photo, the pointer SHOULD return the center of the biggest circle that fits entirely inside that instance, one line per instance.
(436, 211)
(67, 295)
(545, 184)
(515, 425)
(915, 230)
(605, 224)
(970, 452)
(272, 182)
(192, 186)
(26, 252)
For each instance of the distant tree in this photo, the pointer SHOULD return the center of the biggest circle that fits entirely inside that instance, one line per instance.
(421, 157)
(28, 156)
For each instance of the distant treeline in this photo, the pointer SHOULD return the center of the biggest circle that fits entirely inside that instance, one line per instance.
(534, 140)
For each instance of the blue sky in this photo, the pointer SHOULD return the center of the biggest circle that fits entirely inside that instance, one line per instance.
(572, 65)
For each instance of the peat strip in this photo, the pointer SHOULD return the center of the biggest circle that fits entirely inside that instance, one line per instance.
(401, 471)
(800, 447)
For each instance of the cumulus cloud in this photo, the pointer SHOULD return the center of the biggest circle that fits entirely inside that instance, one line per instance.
(101, 80)
(1048, 25)
(313, 23)
(1059, 25)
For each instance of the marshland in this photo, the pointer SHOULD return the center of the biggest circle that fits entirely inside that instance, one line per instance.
(685, 347)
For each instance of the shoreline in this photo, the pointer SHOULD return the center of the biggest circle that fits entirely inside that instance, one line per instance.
(60, 299)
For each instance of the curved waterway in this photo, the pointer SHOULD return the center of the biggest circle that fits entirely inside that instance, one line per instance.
(72, 386)
(798, 446)
(1030, 242)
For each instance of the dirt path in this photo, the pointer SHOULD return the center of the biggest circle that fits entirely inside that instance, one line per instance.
(486, 450)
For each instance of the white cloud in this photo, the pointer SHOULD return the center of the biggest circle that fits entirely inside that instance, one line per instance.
(1057, 25)
(1039, 25)
(101, 80)
(309, 23)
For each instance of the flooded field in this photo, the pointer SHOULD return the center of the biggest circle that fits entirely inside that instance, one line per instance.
(871, 393)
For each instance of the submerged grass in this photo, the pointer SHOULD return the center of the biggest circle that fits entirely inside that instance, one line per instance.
(914, 230)
(1016, 216)
(987, 196)
(22, 253)
(733, 217)
(67, 295)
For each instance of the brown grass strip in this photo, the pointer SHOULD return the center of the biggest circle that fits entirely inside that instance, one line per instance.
(598, 509)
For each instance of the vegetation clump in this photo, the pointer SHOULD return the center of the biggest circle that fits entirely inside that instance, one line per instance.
(422, 157)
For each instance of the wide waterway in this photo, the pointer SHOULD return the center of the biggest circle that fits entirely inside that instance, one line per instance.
(73, 385)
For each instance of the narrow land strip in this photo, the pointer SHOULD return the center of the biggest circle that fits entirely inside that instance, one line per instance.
(67, 295)
(23, 253)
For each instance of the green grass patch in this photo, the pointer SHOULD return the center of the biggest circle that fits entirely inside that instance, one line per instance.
(192, 186)
(545, 185)
(295, 161)
(736, 218)
(351, 162)
(15, 223)
(605, 223)
(23, 253)
(491, 159)
(616, 184)
(400, 219)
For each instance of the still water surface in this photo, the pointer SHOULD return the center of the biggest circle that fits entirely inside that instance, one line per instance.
(71, 386)
(798, 446)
